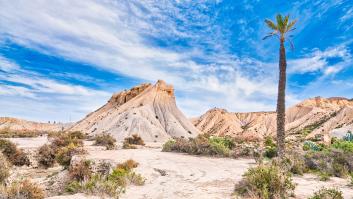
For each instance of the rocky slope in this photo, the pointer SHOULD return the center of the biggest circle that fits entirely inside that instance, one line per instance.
(13, 124)
(324, 116)
(147, 110)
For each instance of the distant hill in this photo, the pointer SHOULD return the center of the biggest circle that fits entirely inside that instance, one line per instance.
(14, 124)
(324, 116)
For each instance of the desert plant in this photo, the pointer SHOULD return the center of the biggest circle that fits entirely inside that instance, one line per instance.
(66, 138)
(327, 193)
(106, 140)
(270, 148)
(348, 136)
(265, 182)
(281, 29)
(14, 155)
(111, 183)
(65, 154)
(46, 156)
(135, 140)
(24, 189)
(169, 145)
(80, 171)
(5, 169)
(346, 146)
(7, 133)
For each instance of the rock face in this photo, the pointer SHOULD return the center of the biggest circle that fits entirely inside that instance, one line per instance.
(13, 124)
(147, 110)
(324, 116)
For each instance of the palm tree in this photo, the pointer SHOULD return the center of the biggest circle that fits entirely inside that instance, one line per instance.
(280, 29)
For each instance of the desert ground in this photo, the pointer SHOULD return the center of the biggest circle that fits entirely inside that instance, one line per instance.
(176, 175)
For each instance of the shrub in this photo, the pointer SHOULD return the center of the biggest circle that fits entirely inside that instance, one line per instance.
(134, 139)
(15, 156)
(111, 184)
(46, 156)
(325, 193)
(106, 140)
(65, 139)
(323, 176)
(169, 145)
(270, 148)
(24, 189)
(346, 146)
(80, 171)
(265, 182)
(309, 145)
(65, 154)
(295, 163)
(201, 145)
(5, 169)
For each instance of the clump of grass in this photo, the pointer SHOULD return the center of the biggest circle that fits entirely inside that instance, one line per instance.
(110, 184)
(14, 155)
(23, 189)
(5, 169)
(327, 193)
(81, 171)
(265, 182)
(106, 140)
(131, 142)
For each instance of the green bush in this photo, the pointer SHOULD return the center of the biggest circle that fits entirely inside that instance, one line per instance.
(66, 138)
(14, 155)
(270, 148)
(46, 156)
(106, 140)
(201, 145)
(346, 146)
(265, 182)
(5, 169)
(326, 193)
(309, 145)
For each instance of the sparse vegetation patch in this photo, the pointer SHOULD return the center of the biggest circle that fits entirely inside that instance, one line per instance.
(106, 140)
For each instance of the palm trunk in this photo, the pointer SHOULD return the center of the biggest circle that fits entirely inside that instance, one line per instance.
(281, 114)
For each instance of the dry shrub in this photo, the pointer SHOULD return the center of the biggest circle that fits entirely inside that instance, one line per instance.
(5, 169)
(106, 140)
(14, 155)
(23, 190)
(134, 140)
(128, 165)
(80, 171)
(46, 156)
(265, 182)
(64, 139)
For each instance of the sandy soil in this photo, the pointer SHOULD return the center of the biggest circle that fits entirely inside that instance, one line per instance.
(187, 176)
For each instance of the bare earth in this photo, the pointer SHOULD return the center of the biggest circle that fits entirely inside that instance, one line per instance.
(188, 176)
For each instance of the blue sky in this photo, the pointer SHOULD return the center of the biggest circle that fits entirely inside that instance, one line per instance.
(59, 60)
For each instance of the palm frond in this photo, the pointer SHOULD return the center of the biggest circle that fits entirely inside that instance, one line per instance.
(285, 22)
(270, 24)
(280, 25)
(290, 25)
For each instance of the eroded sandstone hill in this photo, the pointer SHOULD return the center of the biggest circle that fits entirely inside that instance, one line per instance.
(147, 110)
(324, 116)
